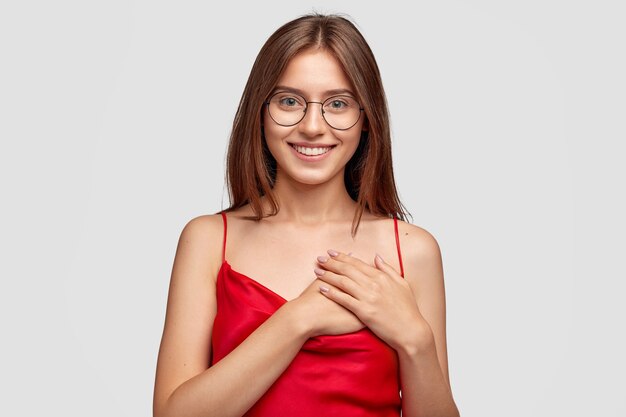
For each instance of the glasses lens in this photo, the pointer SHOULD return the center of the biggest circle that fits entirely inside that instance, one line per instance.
(341, 112)
(286, 108)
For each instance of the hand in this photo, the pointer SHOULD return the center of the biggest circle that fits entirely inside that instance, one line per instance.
(378, 295)
(324, 316)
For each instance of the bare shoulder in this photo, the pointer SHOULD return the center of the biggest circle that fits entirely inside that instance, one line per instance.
(421, 257)
(205, 223)
(202, 238)
(418, 244)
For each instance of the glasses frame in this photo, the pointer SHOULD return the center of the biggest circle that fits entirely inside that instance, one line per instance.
(306, 108)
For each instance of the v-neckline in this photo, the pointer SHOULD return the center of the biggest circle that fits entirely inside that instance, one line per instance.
(283, 300)
(254, 281)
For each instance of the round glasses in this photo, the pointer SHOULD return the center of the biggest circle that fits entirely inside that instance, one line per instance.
(288, 109)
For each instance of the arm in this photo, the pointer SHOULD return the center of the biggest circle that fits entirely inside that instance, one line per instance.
(424, 378)
(407, 313)
(184, 386)
(234, 384)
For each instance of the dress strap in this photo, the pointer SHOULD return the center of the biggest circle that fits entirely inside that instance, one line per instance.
(395, 226)
(224, 243)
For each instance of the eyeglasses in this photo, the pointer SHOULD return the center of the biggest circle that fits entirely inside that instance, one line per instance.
(288, 109)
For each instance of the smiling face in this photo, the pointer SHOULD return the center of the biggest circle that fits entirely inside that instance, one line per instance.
(311, 152)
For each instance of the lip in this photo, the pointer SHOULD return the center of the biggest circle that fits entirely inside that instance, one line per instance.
(310, 158)
(313, 145)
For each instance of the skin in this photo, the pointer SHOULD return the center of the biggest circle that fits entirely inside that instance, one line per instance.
(295, 253)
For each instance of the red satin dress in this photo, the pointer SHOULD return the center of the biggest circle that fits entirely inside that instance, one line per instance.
(348, 375)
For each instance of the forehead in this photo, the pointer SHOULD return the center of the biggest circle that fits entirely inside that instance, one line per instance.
(315, 72)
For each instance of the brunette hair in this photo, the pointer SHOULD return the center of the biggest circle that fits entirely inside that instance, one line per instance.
(251, 169)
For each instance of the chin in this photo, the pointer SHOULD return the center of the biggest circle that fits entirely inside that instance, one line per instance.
(313, 178)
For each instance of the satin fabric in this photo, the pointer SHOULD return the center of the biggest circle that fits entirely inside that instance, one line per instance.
(348, 375)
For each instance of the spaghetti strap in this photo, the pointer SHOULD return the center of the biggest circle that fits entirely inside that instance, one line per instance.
(224, 243)
(395, 226)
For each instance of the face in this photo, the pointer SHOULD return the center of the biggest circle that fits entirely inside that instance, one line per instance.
(312, 152)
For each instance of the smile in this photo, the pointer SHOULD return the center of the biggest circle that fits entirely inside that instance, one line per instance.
(311, 151)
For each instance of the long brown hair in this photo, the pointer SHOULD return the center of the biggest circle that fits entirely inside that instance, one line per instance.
(251, 169)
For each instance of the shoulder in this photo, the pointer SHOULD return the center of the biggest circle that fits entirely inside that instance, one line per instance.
(417, 243)
(421, 256)
(201, 240)
(202, 227)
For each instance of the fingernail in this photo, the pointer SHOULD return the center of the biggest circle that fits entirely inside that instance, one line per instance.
(322, 259)
(323, 289)
(380, 258)
(332, 252)
(319, 271)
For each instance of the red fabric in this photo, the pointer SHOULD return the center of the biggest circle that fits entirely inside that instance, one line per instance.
(349, 375)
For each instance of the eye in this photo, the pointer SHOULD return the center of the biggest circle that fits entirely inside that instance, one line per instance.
(337, 104)
(288, 101)
(340, 104)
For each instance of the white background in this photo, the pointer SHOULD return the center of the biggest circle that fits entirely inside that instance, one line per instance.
(508, 132)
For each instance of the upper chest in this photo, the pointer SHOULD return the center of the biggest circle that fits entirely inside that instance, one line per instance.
(283, 259)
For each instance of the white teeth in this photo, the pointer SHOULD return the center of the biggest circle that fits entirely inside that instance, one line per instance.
(310, 151)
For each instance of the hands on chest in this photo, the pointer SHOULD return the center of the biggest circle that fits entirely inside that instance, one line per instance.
(357, 294)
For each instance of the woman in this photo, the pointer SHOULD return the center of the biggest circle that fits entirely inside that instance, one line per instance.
(298, 300)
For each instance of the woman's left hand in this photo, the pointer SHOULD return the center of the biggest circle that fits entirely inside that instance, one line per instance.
(378, 295)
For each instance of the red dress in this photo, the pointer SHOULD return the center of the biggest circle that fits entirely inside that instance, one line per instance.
(348, 375)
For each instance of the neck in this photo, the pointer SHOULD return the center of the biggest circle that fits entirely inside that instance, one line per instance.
(313, 204)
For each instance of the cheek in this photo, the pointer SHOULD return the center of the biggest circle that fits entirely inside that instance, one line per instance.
(352, 143)
(354, 134)
(267, 128)
(351, 139)
(271, 129)
(274, 136)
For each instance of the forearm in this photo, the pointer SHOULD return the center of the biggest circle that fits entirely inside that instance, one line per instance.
(425, 391)
(237, 381)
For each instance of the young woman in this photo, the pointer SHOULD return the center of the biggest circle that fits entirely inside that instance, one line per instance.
(310, 295)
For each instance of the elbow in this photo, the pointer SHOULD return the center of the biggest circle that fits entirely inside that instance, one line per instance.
(158, 411)
(161, 406)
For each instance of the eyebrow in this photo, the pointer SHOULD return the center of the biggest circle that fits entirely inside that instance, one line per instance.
(324, 93)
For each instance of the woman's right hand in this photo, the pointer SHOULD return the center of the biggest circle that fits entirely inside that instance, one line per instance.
(324, 316)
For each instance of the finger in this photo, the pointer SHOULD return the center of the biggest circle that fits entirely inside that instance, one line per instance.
(340, 297)
(380, 263)
(350, 259)
(349, 266)
(342, 282)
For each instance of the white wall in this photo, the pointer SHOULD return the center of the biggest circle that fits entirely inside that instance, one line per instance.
(508, 129)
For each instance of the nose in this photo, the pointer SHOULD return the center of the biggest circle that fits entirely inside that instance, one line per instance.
(313, 123)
